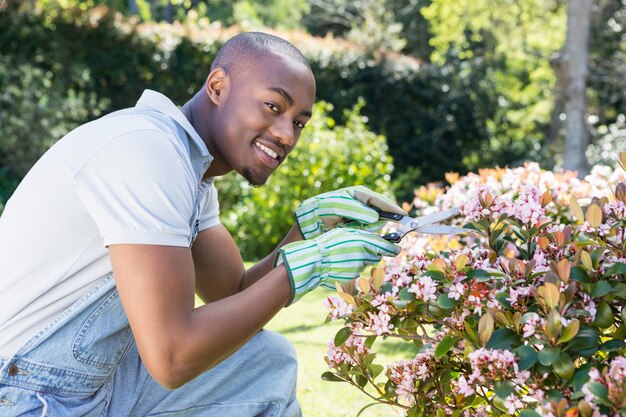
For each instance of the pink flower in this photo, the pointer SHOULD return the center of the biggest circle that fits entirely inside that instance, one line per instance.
(513, 403)
(463, 387)
(424, 289)
(532, 322)
(338, 307)
(456, 290)
(379, 323)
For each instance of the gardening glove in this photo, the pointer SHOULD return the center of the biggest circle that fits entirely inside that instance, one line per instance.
(348, 207)
(339, 255)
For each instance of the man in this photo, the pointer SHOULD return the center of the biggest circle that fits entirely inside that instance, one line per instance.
(108, 237)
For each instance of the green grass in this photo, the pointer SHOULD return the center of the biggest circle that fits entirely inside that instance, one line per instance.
(303, 324)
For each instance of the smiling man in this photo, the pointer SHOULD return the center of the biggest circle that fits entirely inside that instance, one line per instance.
(111, 233)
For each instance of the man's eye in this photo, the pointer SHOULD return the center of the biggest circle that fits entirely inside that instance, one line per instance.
(298, 124)
(273, 107)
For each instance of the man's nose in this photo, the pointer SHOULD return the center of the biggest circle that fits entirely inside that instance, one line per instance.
(283, 131)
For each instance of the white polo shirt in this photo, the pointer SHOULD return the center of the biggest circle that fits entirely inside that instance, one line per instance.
(134, 176)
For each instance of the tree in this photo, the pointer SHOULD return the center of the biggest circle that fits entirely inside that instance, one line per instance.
(576, 71)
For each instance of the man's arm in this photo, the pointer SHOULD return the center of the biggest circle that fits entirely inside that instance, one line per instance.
(176, 341)
(218, 265)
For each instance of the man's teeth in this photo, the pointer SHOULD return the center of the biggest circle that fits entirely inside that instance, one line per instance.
(267, 150)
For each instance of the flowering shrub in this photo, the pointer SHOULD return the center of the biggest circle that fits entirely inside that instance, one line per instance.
(521, 317)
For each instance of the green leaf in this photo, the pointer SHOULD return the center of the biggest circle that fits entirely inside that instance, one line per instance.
(615, 269)
(387, 287)
(612, 345)
(581, 376)
(598, 390)
(529, 412)
(548, 355)
(619, 290)
(569, 331)
(527, 357)
(329, 376)
(579, 274)
(596, 255)
(361, 380)
(436, 275)
(604, 315)
(445, 302)
(564, 366)
(471, 334)
(478, 275)
(342, 335)
(600, 289)
(375, 370)
(585, 343)
(503, 338)
(444, 381)
(413, 412)
(405, 295)
(502, 299)
(445, 345)
(503, 389)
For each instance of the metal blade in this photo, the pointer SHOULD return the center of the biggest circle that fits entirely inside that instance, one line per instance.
(441, 230)
(409, 224)
(437, 217)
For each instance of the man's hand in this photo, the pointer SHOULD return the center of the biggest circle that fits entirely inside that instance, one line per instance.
(339, 255)
(351, 206)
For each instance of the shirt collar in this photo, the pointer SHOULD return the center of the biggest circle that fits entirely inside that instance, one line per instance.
(162, 104)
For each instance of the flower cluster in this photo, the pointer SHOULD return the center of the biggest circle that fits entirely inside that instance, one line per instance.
(521, 316)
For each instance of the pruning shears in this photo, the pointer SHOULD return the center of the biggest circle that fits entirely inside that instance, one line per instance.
(424, 224)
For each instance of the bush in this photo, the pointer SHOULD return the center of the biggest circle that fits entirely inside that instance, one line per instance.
(328, 156)
(523, 317)
(434, 117)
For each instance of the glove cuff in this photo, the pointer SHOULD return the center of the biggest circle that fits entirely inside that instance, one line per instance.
(309, 221)
(303, 262)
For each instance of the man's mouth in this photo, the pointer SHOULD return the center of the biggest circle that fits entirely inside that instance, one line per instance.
(267, 150)
(270, 157)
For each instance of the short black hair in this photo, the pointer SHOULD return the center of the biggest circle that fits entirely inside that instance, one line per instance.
(249, 46)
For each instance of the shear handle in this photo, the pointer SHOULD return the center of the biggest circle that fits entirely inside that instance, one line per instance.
(394, 237)
(390, 215)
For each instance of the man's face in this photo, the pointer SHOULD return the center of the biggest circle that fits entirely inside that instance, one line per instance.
(262, 115)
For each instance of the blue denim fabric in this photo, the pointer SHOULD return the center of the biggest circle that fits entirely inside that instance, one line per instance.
(85, 363)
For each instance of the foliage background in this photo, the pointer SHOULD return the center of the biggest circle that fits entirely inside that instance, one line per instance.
(453, 86)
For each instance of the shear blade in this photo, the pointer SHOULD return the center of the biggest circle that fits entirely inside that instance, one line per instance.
(441, 230)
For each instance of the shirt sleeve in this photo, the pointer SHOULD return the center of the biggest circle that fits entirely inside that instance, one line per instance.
(139, 188)
(210, 215)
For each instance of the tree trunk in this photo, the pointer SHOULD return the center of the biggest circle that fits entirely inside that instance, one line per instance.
(553, 142)
(132, 7)
(169, 12)
(575, 60)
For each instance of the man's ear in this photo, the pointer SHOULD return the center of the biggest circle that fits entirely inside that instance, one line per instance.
(216, 84)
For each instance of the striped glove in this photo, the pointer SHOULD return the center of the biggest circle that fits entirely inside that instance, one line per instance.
(351, 207)
(339, 255)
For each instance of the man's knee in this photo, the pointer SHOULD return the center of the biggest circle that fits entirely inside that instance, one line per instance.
(274, 347)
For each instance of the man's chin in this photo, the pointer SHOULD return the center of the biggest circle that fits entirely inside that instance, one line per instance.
(253, 177)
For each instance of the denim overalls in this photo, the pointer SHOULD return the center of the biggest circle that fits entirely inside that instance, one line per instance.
(85, 363)
(73, 357)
